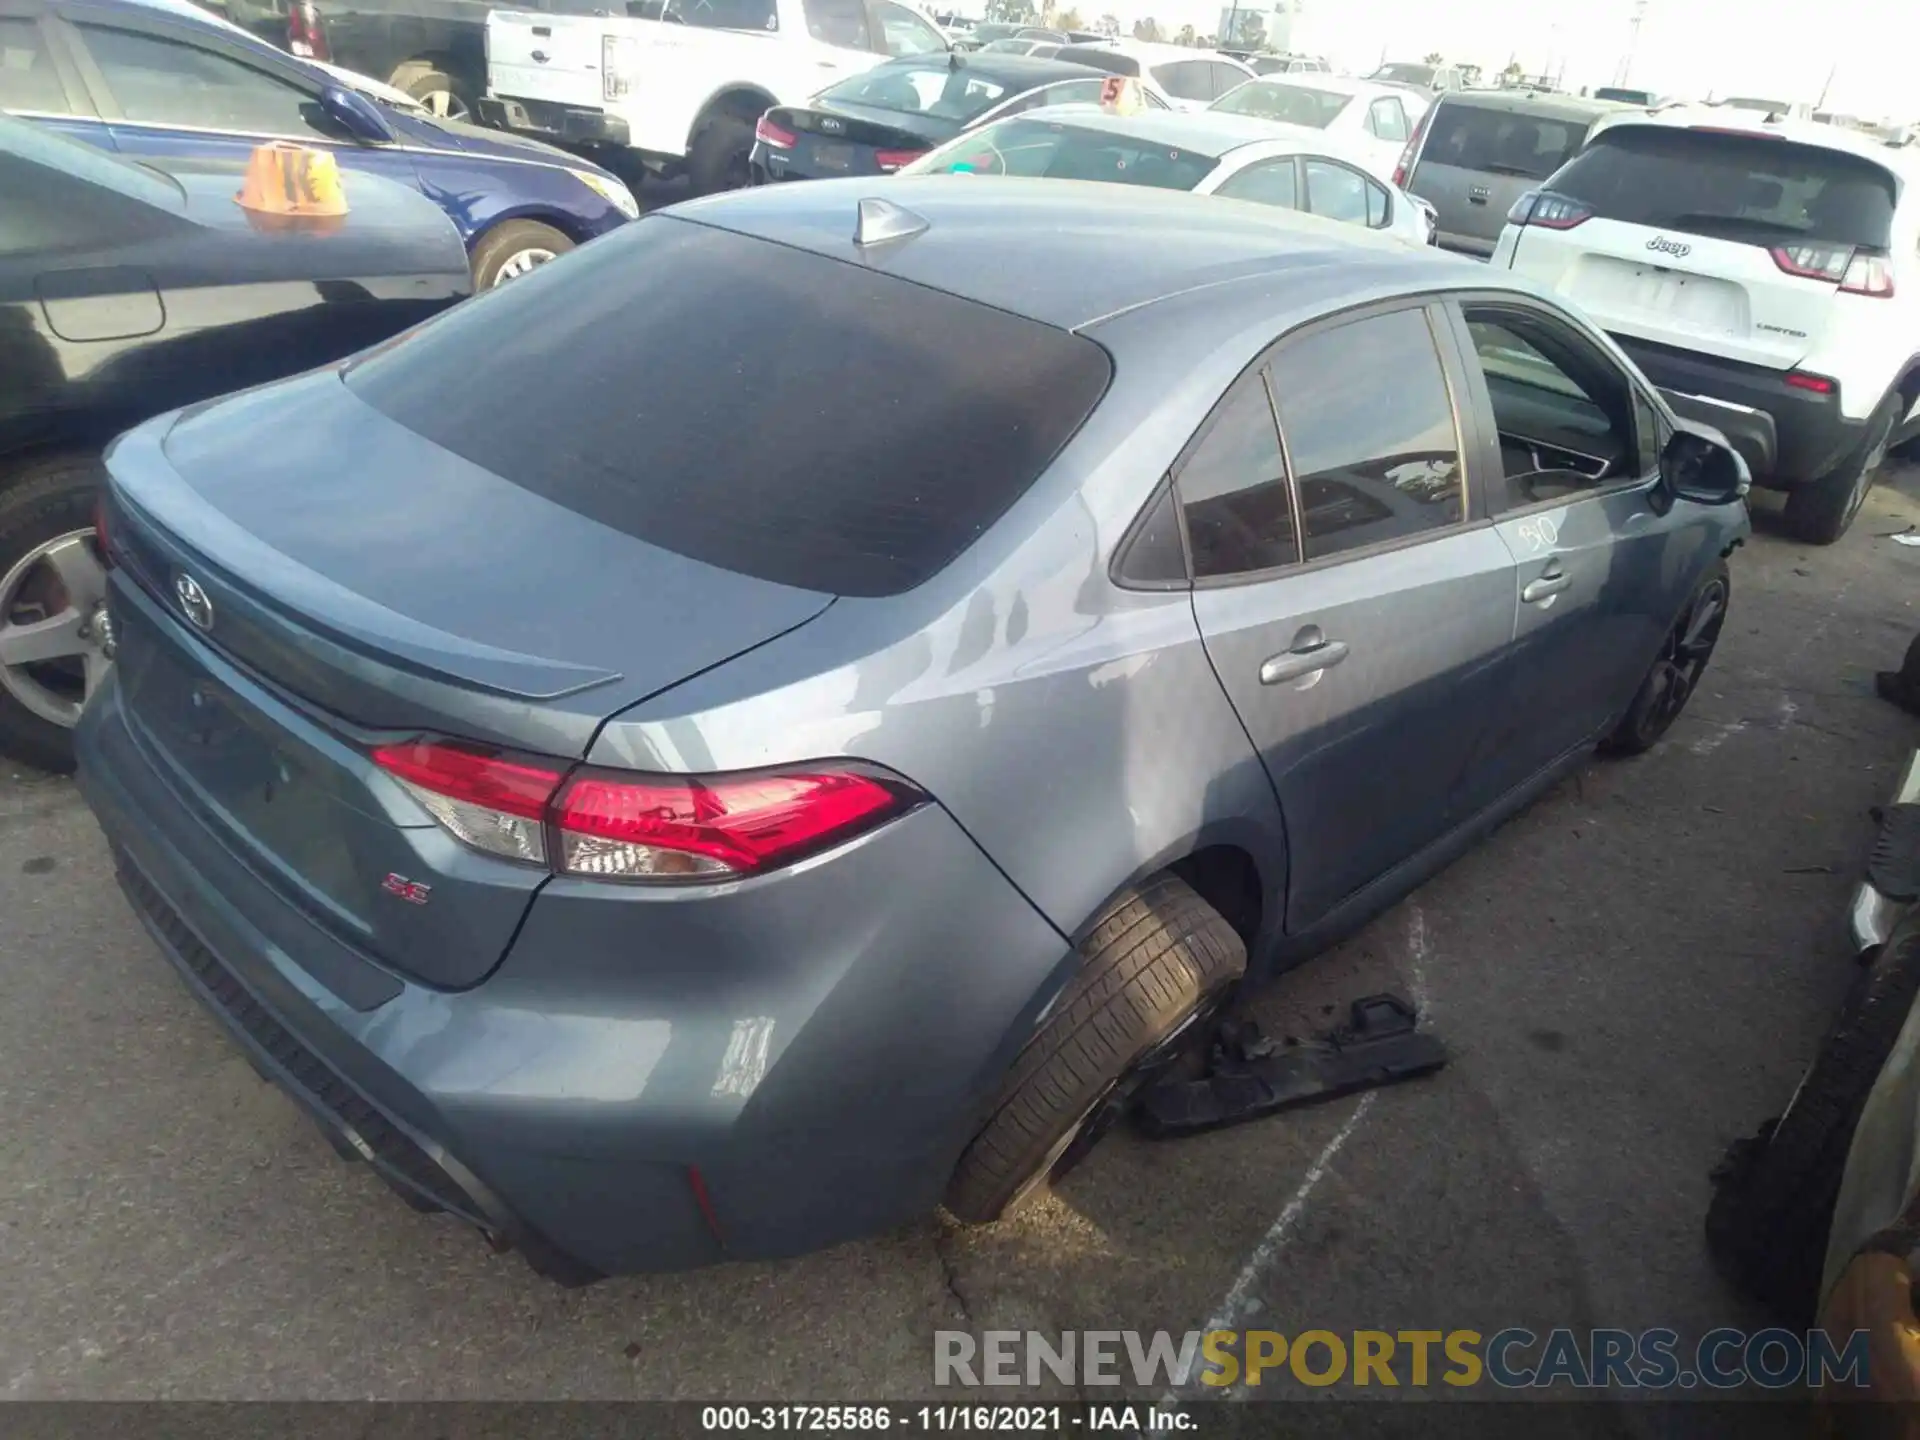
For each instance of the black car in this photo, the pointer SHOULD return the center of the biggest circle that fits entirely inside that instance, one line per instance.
(126, 291)
(875, 122)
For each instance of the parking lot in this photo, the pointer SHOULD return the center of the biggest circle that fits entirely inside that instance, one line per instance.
(1629, 975)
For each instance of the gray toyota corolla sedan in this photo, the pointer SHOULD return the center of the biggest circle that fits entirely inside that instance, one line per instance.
(762, 727)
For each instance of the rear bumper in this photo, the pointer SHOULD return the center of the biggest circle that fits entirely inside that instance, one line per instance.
(820, 1045)
(1791, 436)
(556, 124)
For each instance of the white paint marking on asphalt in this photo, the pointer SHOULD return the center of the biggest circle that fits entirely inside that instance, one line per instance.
(1708, 744)
(1417, 958)
(1240, 1301)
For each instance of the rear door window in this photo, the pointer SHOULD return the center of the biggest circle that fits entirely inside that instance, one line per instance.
(1337, 192)
(1757, 190)
(1266, 182)
(28, 80)
(750, 405)
(1369, 427)
(841, 23)
(1499, 142)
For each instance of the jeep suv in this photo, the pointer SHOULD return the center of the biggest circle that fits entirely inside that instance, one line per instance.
(1764, 270)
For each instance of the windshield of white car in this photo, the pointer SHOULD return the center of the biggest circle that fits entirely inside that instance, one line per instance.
(1057, 151)
(1756, 189)
(920, 88)
(1292, 104)
(1405, 74)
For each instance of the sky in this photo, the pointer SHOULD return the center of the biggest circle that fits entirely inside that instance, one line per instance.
(1778, 49)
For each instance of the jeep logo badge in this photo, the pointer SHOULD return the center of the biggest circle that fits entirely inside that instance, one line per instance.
(1661, 245)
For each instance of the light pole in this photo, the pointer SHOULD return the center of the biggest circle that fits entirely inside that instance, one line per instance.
(1625, 71)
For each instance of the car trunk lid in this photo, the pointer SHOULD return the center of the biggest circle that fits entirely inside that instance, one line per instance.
(848, 138)
(301, 607)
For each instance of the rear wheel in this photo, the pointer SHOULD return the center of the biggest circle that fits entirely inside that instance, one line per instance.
(719, 157)
(513, 249)
(444, 94)
(1774, 1194)
(1157, 965)
(1677, 671)
(1822, 511)
(55, 642)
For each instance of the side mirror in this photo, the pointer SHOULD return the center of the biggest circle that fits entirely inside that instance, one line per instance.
(1700, 465)
(356, 114)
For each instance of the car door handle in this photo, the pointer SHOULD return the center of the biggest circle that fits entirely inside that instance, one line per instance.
(1476, 199)
(1302, 661)
(1551, 582)
(543, 31)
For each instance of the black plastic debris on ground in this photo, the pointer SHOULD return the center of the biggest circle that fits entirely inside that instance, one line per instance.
(1251, 1076)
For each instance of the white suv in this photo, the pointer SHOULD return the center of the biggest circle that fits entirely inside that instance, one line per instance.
(1765, 273)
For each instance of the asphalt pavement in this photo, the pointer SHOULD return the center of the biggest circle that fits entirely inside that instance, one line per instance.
(1630, 974)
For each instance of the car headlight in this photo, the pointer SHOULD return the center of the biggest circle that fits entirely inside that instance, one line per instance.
(611, 191)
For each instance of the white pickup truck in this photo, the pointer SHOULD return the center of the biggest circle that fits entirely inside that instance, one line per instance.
(683, 82)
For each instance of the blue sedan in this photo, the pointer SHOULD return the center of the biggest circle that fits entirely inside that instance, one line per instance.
(162, 80)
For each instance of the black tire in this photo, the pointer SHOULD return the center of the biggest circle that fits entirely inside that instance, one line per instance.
(1676, 673)
(508, 242)
(1158, 960)
(1820, 512)
(718, 159)
(428, 83)
(39, 501)
(1774, 1193)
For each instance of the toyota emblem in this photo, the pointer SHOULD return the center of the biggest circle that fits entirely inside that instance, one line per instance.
(194, 602)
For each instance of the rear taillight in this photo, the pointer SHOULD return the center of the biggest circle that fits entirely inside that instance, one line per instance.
(768, 133)
(1548, 211)
(1814, 384)
(1815, 262)
(1404, 170)
(306, 32)
(1868, 274)
(891, 160)
(614, 825)
(492, 801)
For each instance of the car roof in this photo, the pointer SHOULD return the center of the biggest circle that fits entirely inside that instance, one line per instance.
(1025, 71)
(1751, 122)
(1213, 133)
(1071, 253)
(1526, 102)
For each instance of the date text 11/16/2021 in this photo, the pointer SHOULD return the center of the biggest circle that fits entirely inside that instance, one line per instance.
(945, 1419)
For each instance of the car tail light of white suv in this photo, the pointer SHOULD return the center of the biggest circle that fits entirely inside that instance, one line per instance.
(1855, 270)
(1548, 211)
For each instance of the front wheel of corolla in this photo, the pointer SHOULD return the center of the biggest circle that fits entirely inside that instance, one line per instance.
(1678, 669)
(1157, 965)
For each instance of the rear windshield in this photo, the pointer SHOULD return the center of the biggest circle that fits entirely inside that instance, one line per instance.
(757, 407)
(1099, 58)
(916, 88)
(1295, 104)
(1754, 189)
(1049, 149)
(1499, 142)
(1405, 74)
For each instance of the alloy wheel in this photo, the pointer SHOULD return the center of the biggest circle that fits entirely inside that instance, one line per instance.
(445, 105)
(520, 263)
(56, 643)
(1676, 674)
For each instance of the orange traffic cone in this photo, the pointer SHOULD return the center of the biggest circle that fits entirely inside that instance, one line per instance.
(292, 187)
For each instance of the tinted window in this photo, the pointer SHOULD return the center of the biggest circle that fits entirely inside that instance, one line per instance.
(1038, 147)
(1153, 555)
(164, 82)
(1185, 79)
(1387, 119)
(1099, 57)
(1233, 490)
(1271, 182)
(922, 88)
(1759, 190)
(1370, 431)
(27, 78)
(1291, 104)
(1337, 192)
(723, 14)
(747, 404)
(904, 33)
(1225, 78)
(838, 22)
(1470, 137)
